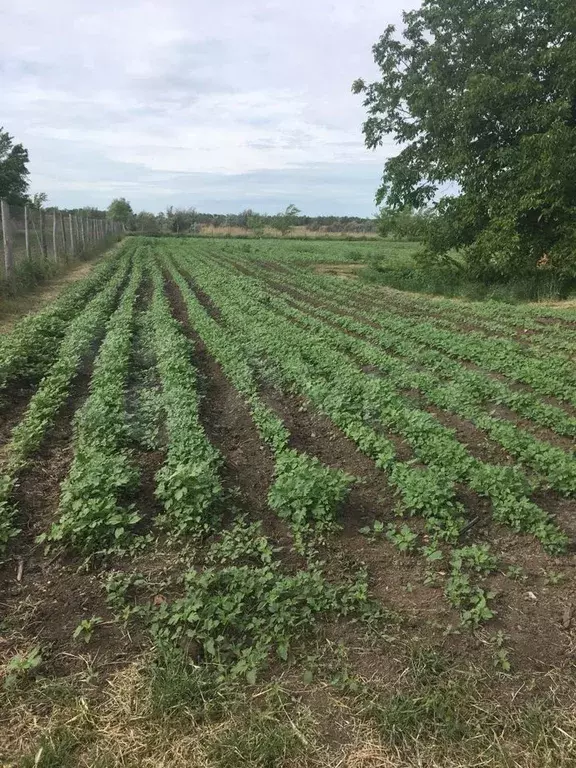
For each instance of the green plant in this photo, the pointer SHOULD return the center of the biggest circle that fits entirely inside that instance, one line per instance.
(85, 629)
(403, 538)
(307, 494)
(92, 515)
(375, 531)
(243, 543)
(553, 577)
(235, 617)
(21, 665)
(476, 557)
(188, 483)
(501, 654)
(516, 572)
(53, 391)
(471, 600)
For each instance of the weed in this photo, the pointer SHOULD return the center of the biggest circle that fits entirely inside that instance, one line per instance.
(85, 629)
(21, 665)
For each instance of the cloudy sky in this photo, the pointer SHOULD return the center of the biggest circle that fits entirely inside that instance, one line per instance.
(221, 105)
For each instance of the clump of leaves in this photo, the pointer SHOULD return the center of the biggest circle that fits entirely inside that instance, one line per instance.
(21, 665)
(501, 657)
(307, 494)
(470, 599)
(375, 531)
(403, 538)
(238, 615)
(245, 543)
(85, 629)
(476, 557)
(553, 577)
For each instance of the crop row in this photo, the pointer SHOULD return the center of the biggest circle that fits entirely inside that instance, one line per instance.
(93, 515)
(552, 376)
(557, 467)
(489, 318)
(305, 493)
(188, 483)
(29, 349)
(478, 388)
(428, 492)
(300, 356)
(289, 255)
(81, 333)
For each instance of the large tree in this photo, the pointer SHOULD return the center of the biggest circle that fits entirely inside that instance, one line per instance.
(13, 170)
(481, 96)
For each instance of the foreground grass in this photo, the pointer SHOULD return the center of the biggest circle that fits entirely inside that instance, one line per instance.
(163, 710)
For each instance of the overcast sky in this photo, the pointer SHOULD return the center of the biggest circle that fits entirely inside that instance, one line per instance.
(219, 104)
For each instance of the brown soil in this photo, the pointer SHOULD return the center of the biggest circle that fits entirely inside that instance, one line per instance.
(46, 596)
(248, 463)
(13, 403)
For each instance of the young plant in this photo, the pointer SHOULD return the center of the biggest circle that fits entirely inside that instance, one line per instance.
(21, 665)
(403, 538)
(85, 629)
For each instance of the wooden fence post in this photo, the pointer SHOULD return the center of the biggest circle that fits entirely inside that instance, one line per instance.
(7, 240)
(43, 246)
(72, 243)
(26, 233)
(64, 238)
(54, 234)
(82, 233)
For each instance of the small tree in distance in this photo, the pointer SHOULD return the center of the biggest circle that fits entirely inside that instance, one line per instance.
(13, 170)
(121, 210)
(38, 200)
(284, 222)
(255, 223)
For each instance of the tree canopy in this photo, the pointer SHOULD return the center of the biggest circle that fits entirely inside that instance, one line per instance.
(284, 221)
(13, 170)
(120, 210)
(481, 96)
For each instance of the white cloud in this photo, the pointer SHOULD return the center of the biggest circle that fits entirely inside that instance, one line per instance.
(221, 88)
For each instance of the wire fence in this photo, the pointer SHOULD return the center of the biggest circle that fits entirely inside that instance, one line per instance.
(31, 235)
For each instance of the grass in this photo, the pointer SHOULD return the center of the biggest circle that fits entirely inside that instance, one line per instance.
(438, 711)
(396, 267)
(30, 274)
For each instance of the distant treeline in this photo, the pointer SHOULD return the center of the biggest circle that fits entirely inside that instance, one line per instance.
(189, 220)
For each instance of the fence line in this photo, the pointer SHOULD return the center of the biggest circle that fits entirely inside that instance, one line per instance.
(33, 235)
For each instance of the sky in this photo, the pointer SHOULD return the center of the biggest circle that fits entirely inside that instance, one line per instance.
(220, 104)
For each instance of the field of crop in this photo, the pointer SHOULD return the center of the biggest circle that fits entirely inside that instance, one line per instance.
(256, 512)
